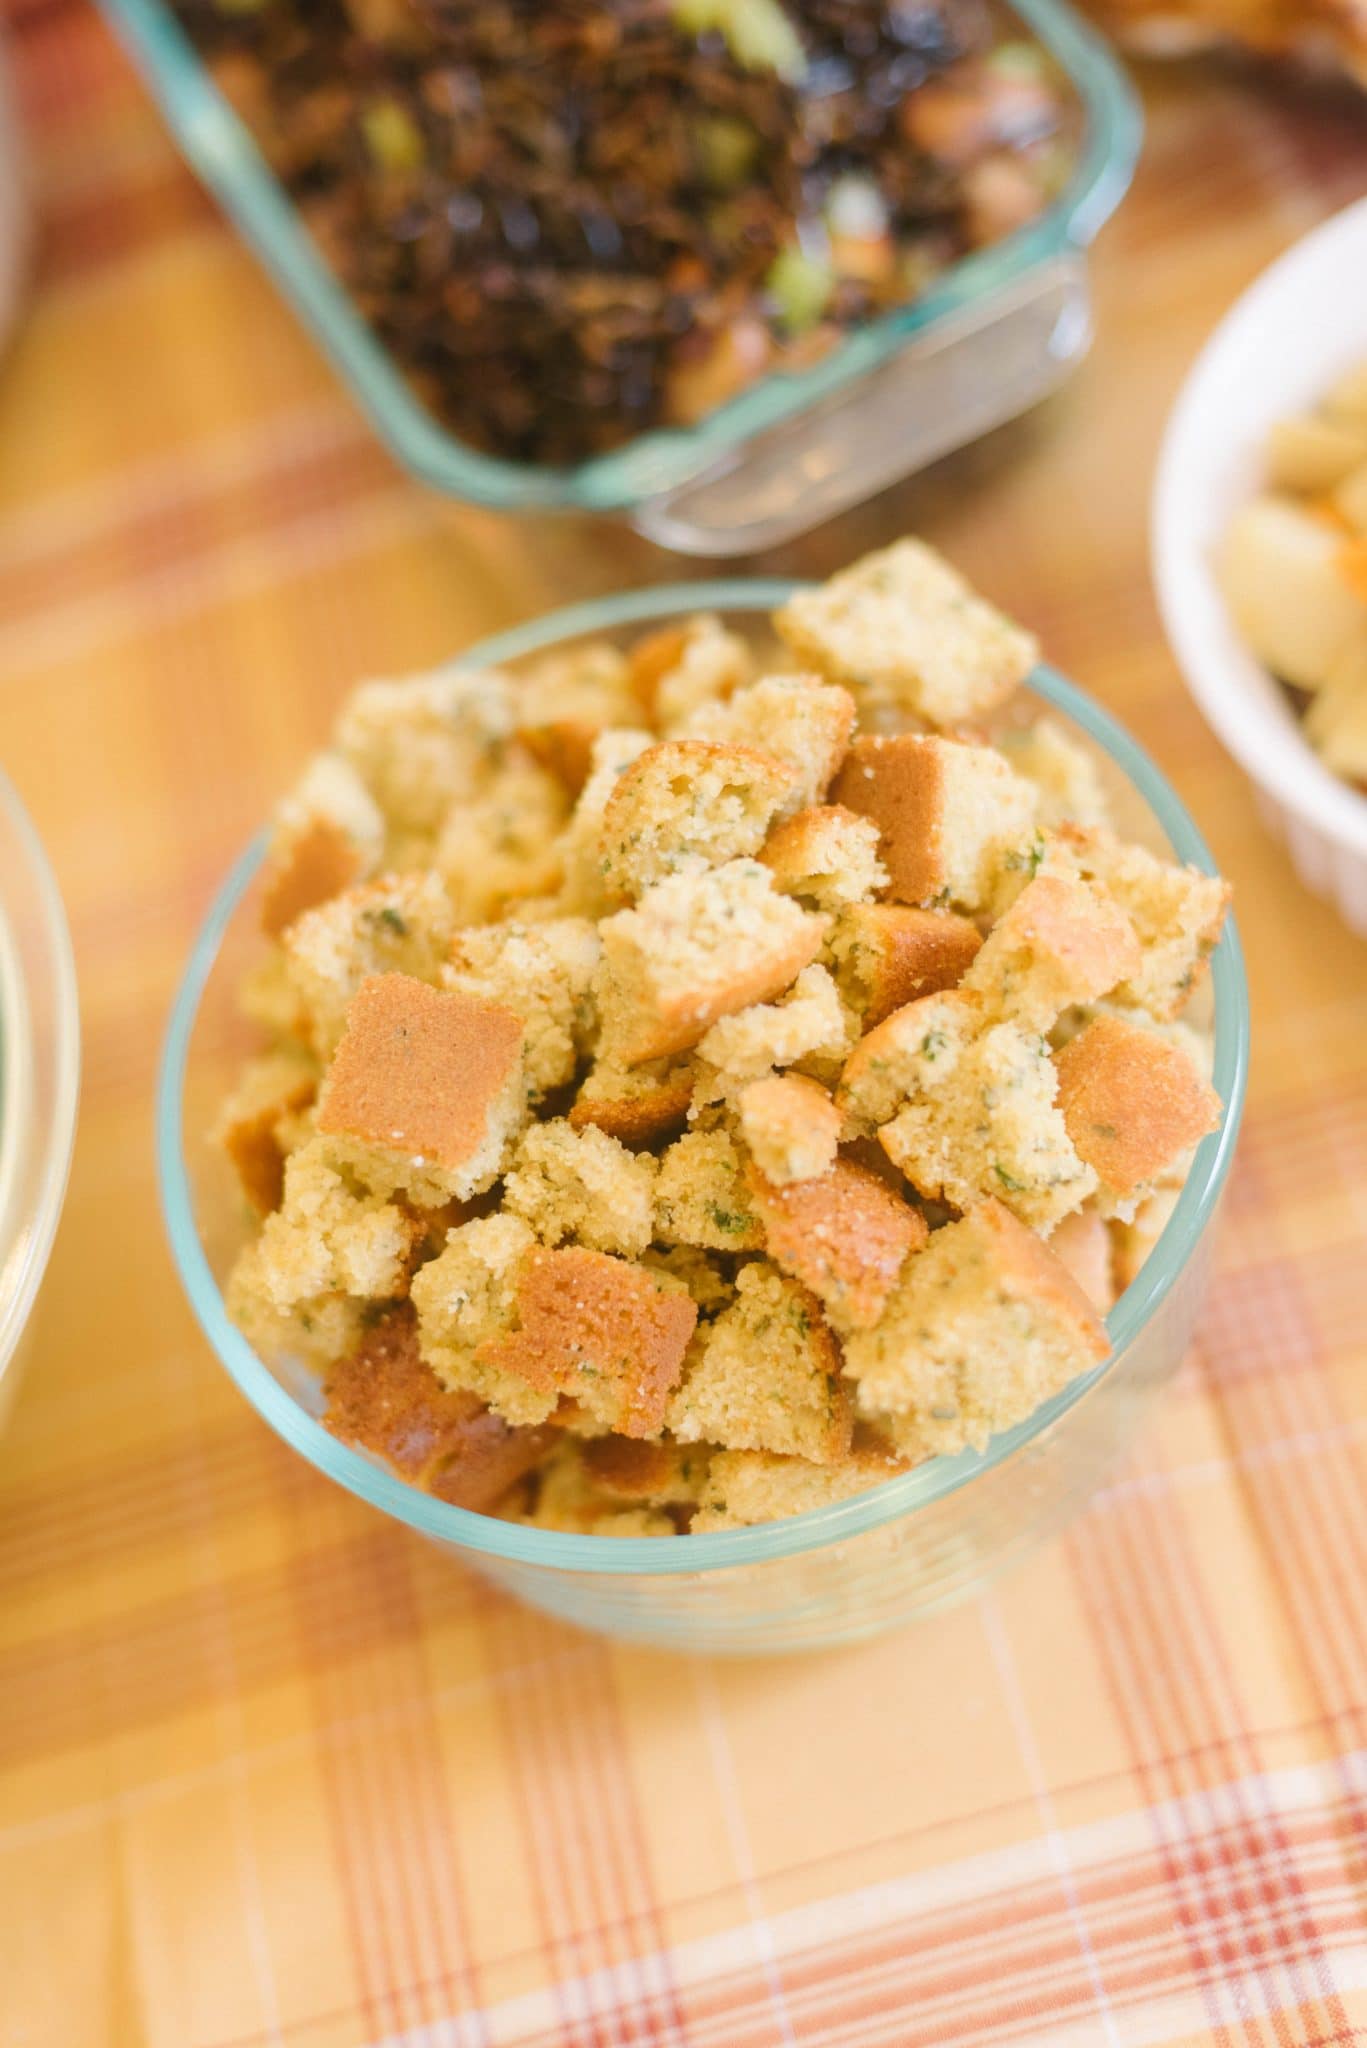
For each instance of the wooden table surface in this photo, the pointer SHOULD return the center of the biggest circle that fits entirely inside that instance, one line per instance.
(201, 549)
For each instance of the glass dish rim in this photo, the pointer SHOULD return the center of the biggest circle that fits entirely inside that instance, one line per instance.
(48, 1137)
(896, 1498)
(221, 151)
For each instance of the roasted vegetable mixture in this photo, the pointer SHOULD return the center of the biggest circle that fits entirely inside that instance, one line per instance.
(574, 222)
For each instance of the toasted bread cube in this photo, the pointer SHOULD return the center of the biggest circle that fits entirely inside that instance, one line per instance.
(809, 1023)
(426, 1090)
(1065, 775)
(985, 1324)
(499, 847)
(700, 1196)
(709, 1283)
(579, 850)
(582, 1185)
(424, 744)
(678, 669)
(795, 1406)
(904, 629)
(604, 1333)
(385, 1399)
(325, 1238)
(1279, 571)
(544, 973)
(1134, 1105)
(464, 1298)
(565, 1495)
(1082, 1243)
(826, 856)
(791, 1126)
(400, 924)
(845, 1235)
(659, 1475)
(566, 700)
(270, 1091)
(743, 1488)
(806, 721)
(1061, 943)
(314, 1330)
(1177, 913)
(637, 1105)
(1133, 1241)
(887, 954)
(329, 834)
(696, 948)
(948, 814)
(686, 804)
(918, 1046)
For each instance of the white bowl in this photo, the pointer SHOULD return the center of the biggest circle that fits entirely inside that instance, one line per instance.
(1301, 325)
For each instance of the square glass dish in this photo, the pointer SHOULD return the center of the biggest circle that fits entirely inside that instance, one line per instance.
(933, 1535)
(996, 332)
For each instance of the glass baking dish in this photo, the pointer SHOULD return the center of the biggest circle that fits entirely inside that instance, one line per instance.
(998, 331)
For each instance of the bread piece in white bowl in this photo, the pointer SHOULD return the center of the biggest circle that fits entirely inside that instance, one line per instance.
(1301, 327)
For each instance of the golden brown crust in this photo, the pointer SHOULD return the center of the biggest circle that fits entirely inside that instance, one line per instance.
(316, 865)
(845, 1235)
(637, 1119)
(386, 1400)
(564, 748)
(632, 1470)
(419, 1070)
(899, 782)
(1025, 1263)
(903, 953)
(650, 659)
(1133, 1102)
(679, 1022)
(1082, 1243)
(590, 1325)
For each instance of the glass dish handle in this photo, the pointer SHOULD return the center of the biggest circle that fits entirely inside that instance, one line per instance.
(944, 387)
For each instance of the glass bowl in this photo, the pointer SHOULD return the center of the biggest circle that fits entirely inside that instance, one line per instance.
(39, 1074)
(912, 1544)
(995, 334)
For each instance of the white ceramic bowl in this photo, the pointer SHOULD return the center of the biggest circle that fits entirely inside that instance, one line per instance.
(1287, 338)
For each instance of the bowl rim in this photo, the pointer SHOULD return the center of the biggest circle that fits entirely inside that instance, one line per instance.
(50, 1085)
(715, 1550)
(1221, 674)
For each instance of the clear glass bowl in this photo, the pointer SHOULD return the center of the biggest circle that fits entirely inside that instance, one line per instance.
(866, 1564)
(39, 1073)
(994, 335)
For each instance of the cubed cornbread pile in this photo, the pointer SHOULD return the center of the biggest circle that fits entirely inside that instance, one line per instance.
(697, 1087)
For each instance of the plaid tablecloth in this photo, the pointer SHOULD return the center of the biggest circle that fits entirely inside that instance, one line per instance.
(274, 1772)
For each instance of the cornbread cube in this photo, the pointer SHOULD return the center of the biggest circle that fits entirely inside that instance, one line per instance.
(639, 1104)
(383, 1398)
(797, 1406)
(1082, 1243)
(710, 1285)
(1133, 1104)
(498, 847)
(582, 1185)
(904, 630)
(887, 954)
(826, 856)
(543, 973)
(985, 1324)
(426, 1090)
(656, 1475)
(271, 1090)
(579, 850)
(566, 701)
(701, 1198)
(1061, 943)
(314, 1330)
(1064, 773)
(922, 1040)
(604, 1333)
(845, 1235)
(328, 834)
(424, 744)
(1177, 913)
(806, 721)
(1133, 1241)
(565, 1495)
(948, 814)
(268, 998)
(679, 668)
(791, 1126)
(809, 1023)
(463, 1299)
(327, 1238)
(400, 924)
(746, 1487)
(695, 948)
(685, 804)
